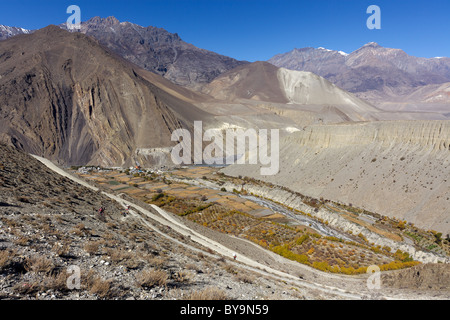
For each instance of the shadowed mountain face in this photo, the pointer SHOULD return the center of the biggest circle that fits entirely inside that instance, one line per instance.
(159, 51)
(373, 72)
(64, 96)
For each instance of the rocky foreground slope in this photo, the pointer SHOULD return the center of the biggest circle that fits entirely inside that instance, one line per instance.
(49, 224)
(399, 169)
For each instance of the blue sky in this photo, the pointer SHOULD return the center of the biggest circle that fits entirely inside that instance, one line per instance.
(258, 29)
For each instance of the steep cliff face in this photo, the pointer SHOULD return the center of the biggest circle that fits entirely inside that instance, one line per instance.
(429, 135)
(67, 98)
(400, 169)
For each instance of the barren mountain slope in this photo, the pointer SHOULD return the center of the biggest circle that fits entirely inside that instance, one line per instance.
(256, 81)
(373, 73)
(66, 97)
(434, 97)
(304, 91)
(398, 169)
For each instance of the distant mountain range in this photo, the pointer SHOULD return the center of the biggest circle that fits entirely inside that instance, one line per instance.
(388, 78)
(377, 74)
(153, 49)
(8, 32)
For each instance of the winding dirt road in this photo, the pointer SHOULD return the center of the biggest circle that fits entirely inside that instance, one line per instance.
(167, 219)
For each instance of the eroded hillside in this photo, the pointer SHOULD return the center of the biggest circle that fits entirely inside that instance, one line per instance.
(65, 97)
(397, 169)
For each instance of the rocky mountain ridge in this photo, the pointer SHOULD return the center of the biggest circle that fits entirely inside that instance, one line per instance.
(151, 48)
(8, 32)
(159, 51)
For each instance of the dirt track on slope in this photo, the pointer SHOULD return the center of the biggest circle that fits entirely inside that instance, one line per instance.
(256, 259)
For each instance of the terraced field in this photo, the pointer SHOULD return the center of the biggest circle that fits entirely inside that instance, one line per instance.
(230, 213)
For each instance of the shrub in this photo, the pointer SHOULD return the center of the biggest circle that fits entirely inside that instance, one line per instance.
(6, 258)
(23, 199)
(322, 266)
(285, 251)
(403, 256)
(22, 241)
(362, 237)
(395, 265)
(80, 230)
(151, 278)
(101, 288)
(91, 247)
(158, 196)
(245, 278)
(438, 237)
(25, 288)
(210, 293)
(347, 270)
(55, 282)
(157, 262)
(182, 277)
(230, 269)
(61, 250)
(401, 225)
(118, 255)
(197, 209)
(39, 265)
